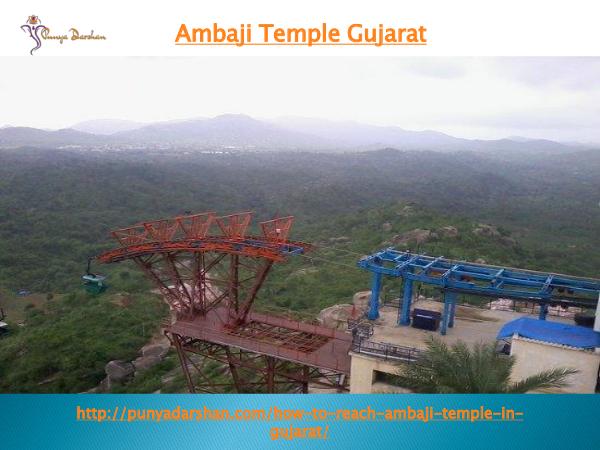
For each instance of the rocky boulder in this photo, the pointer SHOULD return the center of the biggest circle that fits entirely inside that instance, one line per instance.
(387, 227)
(119, 370)
(159, 350)
(144, 363)
(508, 241)
(360, 300)
(406, 211)
(448, 232)
(335, 316)
(418, 236)
(486, 230)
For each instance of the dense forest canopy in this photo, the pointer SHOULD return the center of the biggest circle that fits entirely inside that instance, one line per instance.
(57, 207)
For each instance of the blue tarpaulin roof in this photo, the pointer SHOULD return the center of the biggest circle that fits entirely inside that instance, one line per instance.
(552, 332)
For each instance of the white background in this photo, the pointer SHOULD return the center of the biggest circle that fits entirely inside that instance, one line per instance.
(457, 27)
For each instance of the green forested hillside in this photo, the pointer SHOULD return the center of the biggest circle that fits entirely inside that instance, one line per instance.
(57, 208)
(65, 344)
(329, 275)
(67, 340)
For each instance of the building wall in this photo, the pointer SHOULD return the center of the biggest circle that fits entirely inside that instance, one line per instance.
(362, 373)
(532, 357)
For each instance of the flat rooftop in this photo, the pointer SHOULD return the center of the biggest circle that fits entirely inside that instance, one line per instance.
(471, 325)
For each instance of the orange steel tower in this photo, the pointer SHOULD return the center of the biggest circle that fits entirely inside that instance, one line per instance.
(210, 271)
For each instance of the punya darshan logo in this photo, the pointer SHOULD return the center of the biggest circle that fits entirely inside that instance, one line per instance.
(34, 27)
(39, 32)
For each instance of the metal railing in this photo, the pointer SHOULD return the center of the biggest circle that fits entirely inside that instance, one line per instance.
(393, 301)
(385, 351)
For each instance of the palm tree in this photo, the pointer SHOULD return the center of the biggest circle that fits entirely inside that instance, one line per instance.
(481, 369)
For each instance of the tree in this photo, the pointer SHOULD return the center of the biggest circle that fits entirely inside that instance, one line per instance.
(481, 369)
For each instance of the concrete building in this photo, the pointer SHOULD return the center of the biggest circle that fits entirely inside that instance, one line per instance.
(532, 356)
(364, 372)
(542, 345)
(551, 344)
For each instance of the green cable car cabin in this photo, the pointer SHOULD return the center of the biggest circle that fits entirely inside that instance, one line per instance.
(94, 284)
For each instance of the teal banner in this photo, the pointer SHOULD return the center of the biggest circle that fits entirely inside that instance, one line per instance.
(299, 421)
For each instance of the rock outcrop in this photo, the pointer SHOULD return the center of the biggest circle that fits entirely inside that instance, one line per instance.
(158, 349)
(335, 316)
(448, 232)
(118, 371)
(486, 230)
(417, 236)
(144, 363)
(508, 241)
(360, 300)
(407, 211)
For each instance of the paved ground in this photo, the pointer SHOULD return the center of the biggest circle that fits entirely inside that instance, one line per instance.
(471, 325)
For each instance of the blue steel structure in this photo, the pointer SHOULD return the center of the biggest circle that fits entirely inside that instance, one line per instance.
(460, 277)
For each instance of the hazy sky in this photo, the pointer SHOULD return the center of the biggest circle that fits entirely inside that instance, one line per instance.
(554, 98)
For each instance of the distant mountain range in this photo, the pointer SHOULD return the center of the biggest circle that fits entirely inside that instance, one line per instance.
(236, 131)
(107, 126)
